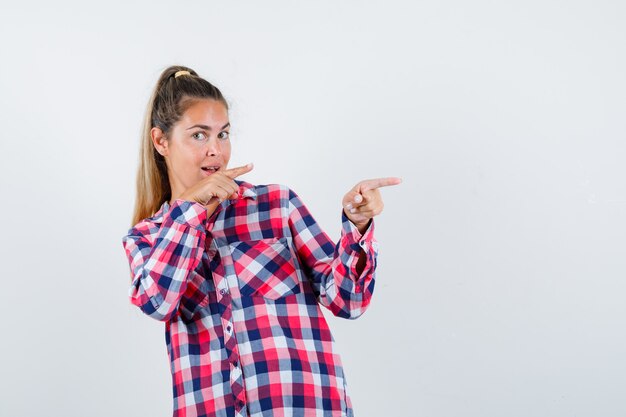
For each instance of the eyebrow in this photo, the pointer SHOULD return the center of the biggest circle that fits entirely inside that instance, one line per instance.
(205, 127)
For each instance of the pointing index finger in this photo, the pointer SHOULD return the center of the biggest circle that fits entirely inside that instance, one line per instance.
(379, 182)
(233, 173)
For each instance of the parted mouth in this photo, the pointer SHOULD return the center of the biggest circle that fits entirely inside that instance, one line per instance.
(210, 168)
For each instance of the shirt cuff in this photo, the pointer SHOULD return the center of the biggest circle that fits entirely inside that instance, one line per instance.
(189, 212)
(354, 236)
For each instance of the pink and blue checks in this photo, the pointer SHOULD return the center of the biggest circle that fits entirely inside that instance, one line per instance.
(239, 292)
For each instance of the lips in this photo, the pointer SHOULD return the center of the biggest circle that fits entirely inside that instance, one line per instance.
(210, 169)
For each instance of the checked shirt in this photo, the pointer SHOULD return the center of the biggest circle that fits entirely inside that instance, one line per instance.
(240, 294)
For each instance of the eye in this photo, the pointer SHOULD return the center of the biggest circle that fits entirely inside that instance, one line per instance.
(199, 136)
(224, 135)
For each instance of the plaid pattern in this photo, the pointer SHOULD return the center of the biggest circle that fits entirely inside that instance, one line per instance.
(240, 294)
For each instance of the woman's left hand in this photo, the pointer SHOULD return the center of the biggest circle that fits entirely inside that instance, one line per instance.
(363, 201)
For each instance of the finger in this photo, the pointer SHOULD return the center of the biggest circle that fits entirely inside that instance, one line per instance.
(365, 198)
(227, 183)
(224, 191)
(366, 213)
(220, 187)
(371, 201)
(233, 173)
(366, 207)
(353, 208)
(354, 199)
(370, 195)
(378, 182)
(223, 181)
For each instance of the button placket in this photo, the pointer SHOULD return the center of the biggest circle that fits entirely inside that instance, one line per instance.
(225, 299)
(230, 343)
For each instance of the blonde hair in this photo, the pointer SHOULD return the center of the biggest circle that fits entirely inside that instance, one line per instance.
(170, 98)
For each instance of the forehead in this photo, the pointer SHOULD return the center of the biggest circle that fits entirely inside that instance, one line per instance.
(207, 112)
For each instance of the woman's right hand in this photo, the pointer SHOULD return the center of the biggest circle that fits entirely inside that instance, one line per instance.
(215, 188)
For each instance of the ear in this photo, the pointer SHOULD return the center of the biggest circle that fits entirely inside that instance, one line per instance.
(159, 141)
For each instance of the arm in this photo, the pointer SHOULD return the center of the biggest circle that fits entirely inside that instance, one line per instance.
(342, 274)
(160, 266)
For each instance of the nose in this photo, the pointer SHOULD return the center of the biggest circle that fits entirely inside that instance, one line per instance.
(213, 147)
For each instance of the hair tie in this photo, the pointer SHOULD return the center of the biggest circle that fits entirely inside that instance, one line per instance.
(181, 72)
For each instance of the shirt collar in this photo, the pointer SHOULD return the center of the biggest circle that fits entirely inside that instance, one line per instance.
(246, 190)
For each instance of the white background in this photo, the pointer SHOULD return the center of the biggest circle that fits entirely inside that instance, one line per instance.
(500, 289)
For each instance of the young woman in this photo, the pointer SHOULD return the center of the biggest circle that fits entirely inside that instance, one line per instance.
(237, 271)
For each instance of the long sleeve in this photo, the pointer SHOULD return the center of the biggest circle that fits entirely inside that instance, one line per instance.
(162, 257)
(332, 267)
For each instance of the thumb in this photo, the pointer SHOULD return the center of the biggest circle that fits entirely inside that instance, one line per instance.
(352, 199)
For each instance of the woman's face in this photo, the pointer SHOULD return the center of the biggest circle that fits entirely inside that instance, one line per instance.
(199, 144)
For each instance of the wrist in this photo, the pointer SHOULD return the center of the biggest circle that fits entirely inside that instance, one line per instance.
(362, 227)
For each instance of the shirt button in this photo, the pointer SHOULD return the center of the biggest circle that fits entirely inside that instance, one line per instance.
(240, 404)
(235, 364)
(223, 291)
(228, 329)
(362, 242)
